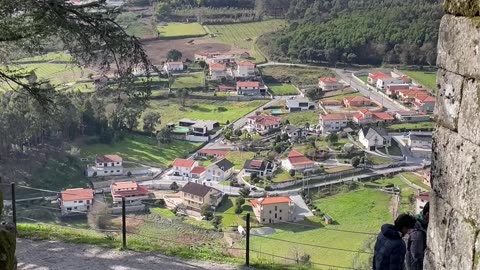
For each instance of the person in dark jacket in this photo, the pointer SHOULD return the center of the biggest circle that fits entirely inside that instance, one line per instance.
(417, 241)
(390, 248)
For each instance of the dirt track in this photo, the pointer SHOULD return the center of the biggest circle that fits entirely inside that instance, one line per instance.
(53, 255)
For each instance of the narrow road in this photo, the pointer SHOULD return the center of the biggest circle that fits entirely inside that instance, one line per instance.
(53, 255)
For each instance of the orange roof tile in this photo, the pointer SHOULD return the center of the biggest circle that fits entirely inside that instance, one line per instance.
(198, 170)
(246, 64)
(124, 185)
(334, 116)
(183, 163)
(108, 158)
(271, 200)
(75, 194)
(328, 80)
(248, 84)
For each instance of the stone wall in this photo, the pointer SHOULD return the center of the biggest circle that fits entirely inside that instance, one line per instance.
(453, 234)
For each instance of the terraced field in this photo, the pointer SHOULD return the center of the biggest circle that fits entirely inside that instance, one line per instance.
(181, 30)
(243, 35)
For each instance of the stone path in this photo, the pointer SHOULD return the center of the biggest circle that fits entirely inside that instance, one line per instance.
(53, 255)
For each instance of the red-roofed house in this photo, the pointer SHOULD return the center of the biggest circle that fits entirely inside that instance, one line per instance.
(245, 69)
(369, 117)
(198, 173)
(263, 123)
(273, 209)
(217, 153)
(333, 122)
(331, 102)
(130, 190)
(259, 166)
(203, 56)
(392, 89)
(298, 162)
(183, 167)
(383, 83)
(248, 88)
(106, 165)
(217, 71)
(374, 76)
(173, 67)
(356, 101)
(421, 199)
(409, 95)
(329, 84)
(424, 103)
(76, 200)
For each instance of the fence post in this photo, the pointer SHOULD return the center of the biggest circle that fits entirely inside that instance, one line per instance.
(124, 225)
(14, 204)
(247, 250)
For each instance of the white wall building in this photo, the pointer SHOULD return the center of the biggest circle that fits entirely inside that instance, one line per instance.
(76, 201)
(384, 82)
(245, 69)
(183, 167)
(173, 67)
(372, 138)
(333, 122)
(220, 170)
(106, 165)
(131, 191)
(329, 84)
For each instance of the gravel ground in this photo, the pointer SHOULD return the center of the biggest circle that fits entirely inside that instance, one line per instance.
(53, 255)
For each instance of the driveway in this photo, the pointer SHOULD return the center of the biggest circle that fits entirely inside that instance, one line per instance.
(53, 255)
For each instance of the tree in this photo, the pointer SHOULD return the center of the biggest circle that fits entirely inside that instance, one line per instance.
(314, 93)
(333, 137)
(174, 186)
(90, 37)
(150, 121)
(355, 161)
(291, 172)
(164, 135)
(240, 201)
(163, 10)
(238, 132)
(206, 211)
(253, 176)
(182, 94)
(238, 209)
(244, 192)
(217, 222)
(174, 55)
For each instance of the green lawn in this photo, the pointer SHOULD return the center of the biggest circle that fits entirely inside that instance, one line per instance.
(282, 89)
(189, 81)
(238, 158)
(300, 118)
(364, 78)
(429, 125)
(142, 148)
(378, 160)
(164, 212)
(338, 169)
(181, 30)
(362, 210)
(243, 35)
(56, 73)
(427, 79)
(171, 110)
(295, 74)
(281, 175)
(230, 219)
(407, 193)
(416, 179)
(53, 56)
(342, 96)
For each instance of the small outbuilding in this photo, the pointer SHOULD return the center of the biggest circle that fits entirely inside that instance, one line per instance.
(328, 219)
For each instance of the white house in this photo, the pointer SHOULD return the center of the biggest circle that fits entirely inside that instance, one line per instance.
(245, 69)
(372, 138)
(220, 170)
(329, 84)
(259, 166)
(221, 58)
(198, 173)
(333, 122)
(299, 104)
(248, 88)
(424, 103)
(183, 167)
(130, 190)
(203, 127)
(421, 200)
(106, 165)
(217, 71)
(294, 133)
(76, 200)
(419, 140)
(173, 67)
(263, 123)
(382, 83)
(298, 162)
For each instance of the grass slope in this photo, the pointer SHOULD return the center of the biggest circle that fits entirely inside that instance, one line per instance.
(282, 89)
(181, 30)
(427, 79)
(189, 81)
(300, 118)
(142, 148)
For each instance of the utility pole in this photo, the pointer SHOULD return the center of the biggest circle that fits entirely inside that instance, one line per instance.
(14, 205)
(124, 225)
(247, 249)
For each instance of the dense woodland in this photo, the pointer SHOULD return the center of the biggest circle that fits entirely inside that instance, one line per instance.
(353, 31)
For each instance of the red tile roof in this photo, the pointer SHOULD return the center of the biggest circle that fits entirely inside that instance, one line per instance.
(76, 194)
(214, 152)
(248, 84)
(245, 64)
(295, 153)
(424, 196)
(378, 75)
(356, 99)
(271, 200)
(217, 66)
(331, 102)
(124, 185)
(413, 93)
(256, 163)
(383, 116)
(108, 158)
(183, 163)
(328, 80)
(140, 191)
(297, 158)
(198, 170)
(426, 99)
(265, 120)
(334, 116)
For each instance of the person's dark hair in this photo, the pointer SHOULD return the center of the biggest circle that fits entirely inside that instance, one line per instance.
(404, 220)
(426, 208)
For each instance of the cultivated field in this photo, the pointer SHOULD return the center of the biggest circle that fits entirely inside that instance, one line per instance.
(429, 125)
(282, 89)
(171, 111)
(243, 35)
(294, 74)
(181, 30)
(427, 79)
(300, 118)
(189, 81)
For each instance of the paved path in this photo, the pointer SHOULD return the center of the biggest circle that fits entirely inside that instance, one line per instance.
(53, 255)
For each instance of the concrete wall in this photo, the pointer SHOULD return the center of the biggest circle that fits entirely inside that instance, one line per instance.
(453, 234)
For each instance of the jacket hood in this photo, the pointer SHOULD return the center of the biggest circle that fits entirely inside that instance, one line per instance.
(390, 232)
(422, 221)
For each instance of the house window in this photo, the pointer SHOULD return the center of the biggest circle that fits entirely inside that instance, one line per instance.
(75, 207)
(88, 208)
(118, 170)
(276, 208)
(80, 201)
(118, 162)
(69, 208)
(270, 211)
(280, 210)
(105, 171)
(275, 215)
(88, 201)
(111, 171)
(280, 218)
(263, 220)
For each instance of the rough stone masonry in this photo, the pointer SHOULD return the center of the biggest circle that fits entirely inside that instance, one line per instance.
(453, 234)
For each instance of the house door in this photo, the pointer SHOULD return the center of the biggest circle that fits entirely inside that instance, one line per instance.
(269, 220)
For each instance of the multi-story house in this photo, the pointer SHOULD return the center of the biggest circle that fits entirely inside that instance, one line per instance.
(171, 67)
(273, 209)
(130, 190)
(372, 138)
(249, 88)
(76, 200)
(424, 103)
(299, 104)
(259, 166)
(183, 167)
(245, 69)
(217, 71)
(298, 162)
(106, 165)
(333, 122)
(194, 196)
(357, 101)
(220, 170)
(294, 133)
(263, 124)
(329, 84)
(369, 117)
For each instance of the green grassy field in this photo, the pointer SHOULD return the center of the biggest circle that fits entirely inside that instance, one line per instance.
(378, 160)
(342, 96)
(230, 219)
(281, 175)
(300, 118)
(282, 89)
(407, 193)
(189, 81)
(364, 78)
(238, 158)
(294, 74)
(56, 73)
(412, 126)
(181, 30)
(416, 179)
(142, 148)
(362, 211)
(427, 79)
(243, 35)
(53, 56)
(171, 111)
